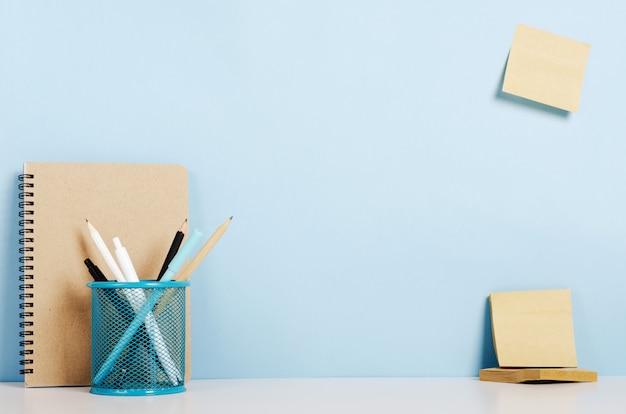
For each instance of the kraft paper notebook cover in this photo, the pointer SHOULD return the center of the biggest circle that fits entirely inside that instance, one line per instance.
(142, 204)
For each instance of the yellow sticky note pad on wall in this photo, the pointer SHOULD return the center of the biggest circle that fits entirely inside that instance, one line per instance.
(546, 68)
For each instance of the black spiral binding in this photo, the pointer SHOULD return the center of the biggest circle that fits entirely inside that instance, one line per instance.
(26, 270)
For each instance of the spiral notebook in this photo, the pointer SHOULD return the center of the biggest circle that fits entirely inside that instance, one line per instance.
(142, 204)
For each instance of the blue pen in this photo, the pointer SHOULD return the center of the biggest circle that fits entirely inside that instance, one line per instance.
(175, 264)
(182, 255)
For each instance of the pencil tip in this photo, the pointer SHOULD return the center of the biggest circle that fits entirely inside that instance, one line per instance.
(231, 217)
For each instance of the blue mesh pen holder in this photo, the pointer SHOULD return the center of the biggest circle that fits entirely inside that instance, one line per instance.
(137, 337)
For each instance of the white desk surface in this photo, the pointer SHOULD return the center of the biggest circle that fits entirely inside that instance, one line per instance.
(333, 395)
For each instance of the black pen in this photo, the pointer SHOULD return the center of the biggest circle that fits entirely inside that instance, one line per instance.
(95, 271)
(178, 239)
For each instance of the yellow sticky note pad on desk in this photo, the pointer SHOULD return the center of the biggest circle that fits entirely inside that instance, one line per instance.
(546, 68)
(533, 328)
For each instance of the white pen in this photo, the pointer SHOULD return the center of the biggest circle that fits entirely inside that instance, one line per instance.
(106, 254)
(123, 259)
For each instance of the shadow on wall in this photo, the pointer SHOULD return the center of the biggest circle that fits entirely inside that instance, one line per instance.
(10, 284)
(518, 100)
(488, 357)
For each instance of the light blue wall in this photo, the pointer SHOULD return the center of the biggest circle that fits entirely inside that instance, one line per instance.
(381, 187)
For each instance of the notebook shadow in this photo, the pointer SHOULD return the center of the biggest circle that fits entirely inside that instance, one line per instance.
(527, 103)
(12, 287)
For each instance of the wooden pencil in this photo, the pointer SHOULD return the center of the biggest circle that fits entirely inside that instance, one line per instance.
(210, 243)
